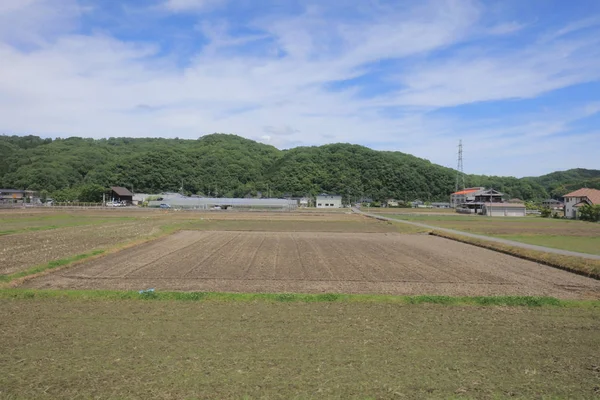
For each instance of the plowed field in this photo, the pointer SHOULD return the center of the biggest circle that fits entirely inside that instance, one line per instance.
(386, 263)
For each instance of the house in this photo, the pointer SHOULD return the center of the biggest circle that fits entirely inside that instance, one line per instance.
(504, 210)
(18, 196)
(11, 195)
(579, 198)
(121, 195)
(417, 204)
(392, 203)
(329, 201)
(140, 198)
(553, 204)
(475, 195)
(304, 202)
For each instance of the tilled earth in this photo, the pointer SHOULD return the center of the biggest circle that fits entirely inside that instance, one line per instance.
(21, 251)
(385, 263)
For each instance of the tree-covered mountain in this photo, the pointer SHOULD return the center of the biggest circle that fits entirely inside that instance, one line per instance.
(560, 183)
(228, 165)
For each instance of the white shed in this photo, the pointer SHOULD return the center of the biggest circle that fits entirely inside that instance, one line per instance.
(504, 210)
(329, 201)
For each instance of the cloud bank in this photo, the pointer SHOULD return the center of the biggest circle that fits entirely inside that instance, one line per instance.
(522, 93)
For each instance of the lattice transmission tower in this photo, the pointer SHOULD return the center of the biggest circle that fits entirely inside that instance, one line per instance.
(460, 175)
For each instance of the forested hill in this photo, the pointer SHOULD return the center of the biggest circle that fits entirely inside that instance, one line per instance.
(228, 165)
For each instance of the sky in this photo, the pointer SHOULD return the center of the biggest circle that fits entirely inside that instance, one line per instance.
(517, 81)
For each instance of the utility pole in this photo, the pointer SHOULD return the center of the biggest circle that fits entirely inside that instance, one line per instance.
(460, 175)
(491, 201)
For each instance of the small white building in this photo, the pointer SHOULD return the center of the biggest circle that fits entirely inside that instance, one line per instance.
(504, 210)
(328, 201)
(579, 198)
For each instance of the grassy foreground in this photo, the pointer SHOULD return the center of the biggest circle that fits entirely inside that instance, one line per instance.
(78, 295)
(114, 349)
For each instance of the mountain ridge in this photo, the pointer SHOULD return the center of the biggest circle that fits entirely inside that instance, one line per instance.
(230, 165)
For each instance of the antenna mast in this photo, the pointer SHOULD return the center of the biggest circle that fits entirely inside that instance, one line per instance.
(460, 175)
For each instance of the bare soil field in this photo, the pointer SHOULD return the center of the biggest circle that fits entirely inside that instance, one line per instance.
(385, 263)
(57, 349)
(21, 251)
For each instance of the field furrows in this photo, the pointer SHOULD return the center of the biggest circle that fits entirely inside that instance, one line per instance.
(24, 250)
(319, 262)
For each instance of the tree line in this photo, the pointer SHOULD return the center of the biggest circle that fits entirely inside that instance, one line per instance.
(224, 165)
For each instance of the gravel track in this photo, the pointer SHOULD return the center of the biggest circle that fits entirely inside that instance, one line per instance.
(386, 263)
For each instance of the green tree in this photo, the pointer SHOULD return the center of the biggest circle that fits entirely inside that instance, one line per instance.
(91, 193)
(590, 213)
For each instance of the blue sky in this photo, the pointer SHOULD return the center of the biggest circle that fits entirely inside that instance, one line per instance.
(517, 81)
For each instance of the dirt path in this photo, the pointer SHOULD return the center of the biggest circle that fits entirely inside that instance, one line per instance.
(386, 263)
(483, 237)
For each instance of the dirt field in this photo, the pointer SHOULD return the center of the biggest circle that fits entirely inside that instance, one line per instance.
(319, 262)
(24, 250)
(55, 349)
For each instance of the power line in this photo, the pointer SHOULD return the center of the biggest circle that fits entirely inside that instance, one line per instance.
(460, 175)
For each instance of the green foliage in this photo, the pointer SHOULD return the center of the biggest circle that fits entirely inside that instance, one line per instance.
(65, 195)
(590, 213)
(545, 212)
(559, 183)
(228, 165)
(91, 193)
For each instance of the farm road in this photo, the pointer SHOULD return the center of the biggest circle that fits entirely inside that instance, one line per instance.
(483, 237)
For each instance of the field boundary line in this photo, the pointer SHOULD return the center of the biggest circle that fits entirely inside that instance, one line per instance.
(565, 263)
(488, 238)
(113, 295)
(18, 278)
(587, 265)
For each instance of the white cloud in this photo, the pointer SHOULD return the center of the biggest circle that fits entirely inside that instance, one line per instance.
(476, 77)
(35, 22)
(99, 86)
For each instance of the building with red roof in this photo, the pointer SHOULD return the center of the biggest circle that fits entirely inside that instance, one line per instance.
(579, 198)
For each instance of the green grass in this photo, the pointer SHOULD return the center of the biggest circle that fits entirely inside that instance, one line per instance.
(48, 266)
(513, 301)
(111, 349)
(569, 235)
(579, 265)
(580, 244)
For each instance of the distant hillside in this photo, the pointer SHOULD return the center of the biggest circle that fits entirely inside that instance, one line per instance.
(229, 165)
(561, 182)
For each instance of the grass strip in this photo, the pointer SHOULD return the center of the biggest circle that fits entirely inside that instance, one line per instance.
(51, 265)
(524, 301)
(18, 277)
(578, 265)
(67, 225)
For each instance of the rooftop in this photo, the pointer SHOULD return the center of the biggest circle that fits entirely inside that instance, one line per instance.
(121, 191)
(467, 191)
(592, 194)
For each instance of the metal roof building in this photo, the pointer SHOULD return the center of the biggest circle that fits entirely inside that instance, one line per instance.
(206, 203)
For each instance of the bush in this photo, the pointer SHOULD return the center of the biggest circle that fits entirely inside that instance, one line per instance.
(590, 213)
(545, 212)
